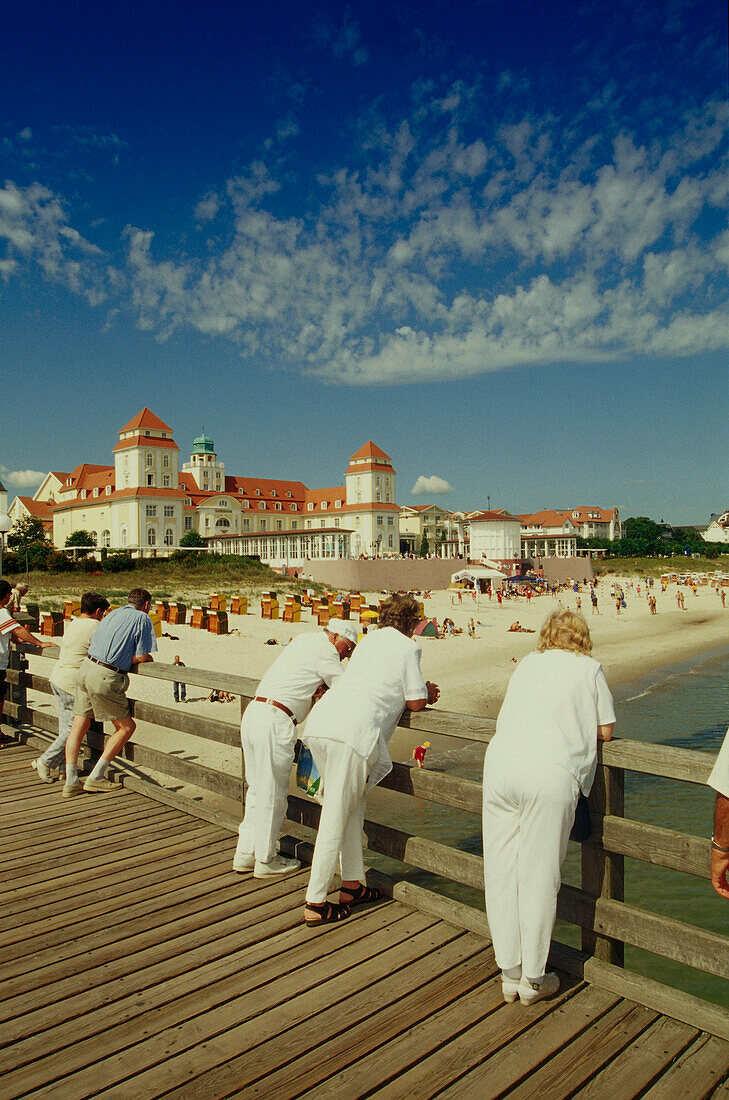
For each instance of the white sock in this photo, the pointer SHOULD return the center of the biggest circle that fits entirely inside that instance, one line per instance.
(100, 770)
(71, 774)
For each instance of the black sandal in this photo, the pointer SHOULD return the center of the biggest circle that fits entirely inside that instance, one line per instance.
(329, 912)
(362, 895)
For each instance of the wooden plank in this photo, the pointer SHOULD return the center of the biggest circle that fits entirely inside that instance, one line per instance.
(110, 950)
(427, 854)
(32, 850)
(470, 984)
(447, 790)
(123, 1021)
(695, 1073)
(688, 765)
(661, 998)
(328, 1019)
(642, 1063)
(603, 872)
(433, 1069)
(172, 1056)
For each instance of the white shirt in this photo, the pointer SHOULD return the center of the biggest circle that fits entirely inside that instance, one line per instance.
(7, 626)
(306, 662)
(553, 705)
(719, 778)
(74, 646)
(363, 707)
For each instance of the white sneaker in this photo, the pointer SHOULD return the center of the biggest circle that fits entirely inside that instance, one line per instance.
(279, 865)
(242, 864)
(44, 772)
(531, 992)
(510, 990)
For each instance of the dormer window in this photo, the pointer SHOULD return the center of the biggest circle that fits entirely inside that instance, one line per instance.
(273, 492)
(262, 506)
(337, 504)
(288, 492)
(323, 505)
(293, 507)
(310, 507)
(108, 490)
(95, 491)
(245, 504)
(83, 494)
(147, 433)
(279, 505)
(258, 492)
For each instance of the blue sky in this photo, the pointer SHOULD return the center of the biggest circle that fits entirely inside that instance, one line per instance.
(489, 235)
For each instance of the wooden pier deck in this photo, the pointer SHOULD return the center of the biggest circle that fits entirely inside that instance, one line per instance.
(135, 964)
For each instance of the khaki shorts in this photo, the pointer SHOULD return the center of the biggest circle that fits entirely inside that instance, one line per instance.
(100, 693)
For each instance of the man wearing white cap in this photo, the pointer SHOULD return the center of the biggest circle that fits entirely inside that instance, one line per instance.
(283, 699)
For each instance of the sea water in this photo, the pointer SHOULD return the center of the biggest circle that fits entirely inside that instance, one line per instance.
(686, 706)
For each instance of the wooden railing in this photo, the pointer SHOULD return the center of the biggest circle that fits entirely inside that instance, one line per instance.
(597, 906)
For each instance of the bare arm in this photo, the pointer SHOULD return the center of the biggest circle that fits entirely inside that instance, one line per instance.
(720, 860)
(22, 634)
(605, 733)
(421, 704)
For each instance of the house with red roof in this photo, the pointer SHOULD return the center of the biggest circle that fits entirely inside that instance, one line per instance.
(147, 501)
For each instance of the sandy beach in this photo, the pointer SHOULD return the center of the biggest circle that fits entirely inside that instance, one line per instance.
(472, 672)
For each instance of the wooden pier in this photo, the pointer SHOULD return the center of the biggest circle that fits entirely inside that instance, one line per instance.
(135, 963)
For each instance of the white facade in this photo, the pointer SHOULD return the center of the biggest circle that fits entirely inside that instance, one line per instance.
(718, 529)
(496, 536)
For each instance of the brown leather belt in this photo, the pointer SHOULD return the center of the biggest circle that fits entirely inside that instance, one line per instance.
(273, 703)
(105, 665)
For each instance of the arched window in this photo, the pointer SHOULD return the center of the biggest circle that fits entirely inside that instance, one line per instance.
(149, 458)
(166, 461)
(222, 522)
(151, 536)
(106, 538)
(123, 534)
(169, 537)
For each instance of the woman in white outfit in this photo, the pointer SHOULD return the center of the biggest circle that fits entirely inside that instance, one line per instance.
(348, 732)
(544, 753)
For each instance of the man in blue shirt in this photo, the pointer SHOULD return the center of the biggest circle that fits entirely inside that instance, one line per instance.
(124, 638)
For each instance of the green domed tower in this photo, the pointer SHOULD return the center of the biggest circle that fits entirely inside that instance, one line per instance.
(209, 474)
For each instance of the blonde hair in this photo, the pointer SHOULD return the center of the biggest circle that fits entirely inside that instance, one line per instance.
(565, 630)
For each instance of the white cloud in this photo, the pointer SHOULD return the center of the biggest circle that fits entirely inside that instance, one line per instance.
(207, 208)
(430, 485)
(23, 479)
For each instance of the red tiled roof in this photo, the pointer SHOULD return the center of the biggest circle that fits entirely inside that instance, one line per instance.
(145, 441)
(546, 518)
(370, 450)
(39, 509)
(316, 496)
(477, 517)
(146, 419)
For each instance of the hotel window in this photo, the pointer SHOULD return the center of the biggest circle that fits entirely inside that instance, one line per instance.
(108, 491)
(279, 505)
(151, 536)
(310, 507)
(294, 525)
(258, 492)
(245, 504)
(262, 506)
(222, 503)
(169, 537)
(188, 500)
(273, 492)
(263, 526)
(308, 524)
(324, 505)
(279, 525)
(379, 521)
(390, 521)
(293, 507)
(151, 510)
(165, 481)
(188, 523)
(149, 459)
(378, 496)
(337, 504)
(94, 492)
(147, 433)
(166, 461)
(336, 522)
(106, 538)
(123, 536)
(246, 524)
(150, 479)
(83, 494)
(322, 523)
(169, 511)
(288, 493)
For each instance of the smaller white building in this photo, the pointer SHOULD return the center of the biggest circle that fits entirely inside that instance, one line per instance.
(718, 529)
(496, 536)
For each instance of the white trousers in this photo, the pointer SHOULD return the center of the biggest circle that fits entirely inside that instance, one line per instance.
(268, 737)
(339, 837)
(528, 811)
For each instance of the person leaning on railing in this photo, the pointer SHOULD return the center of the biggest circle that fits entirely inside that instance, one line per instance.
(10, 629)
(542, 756)
(719, 780)
(348, 733)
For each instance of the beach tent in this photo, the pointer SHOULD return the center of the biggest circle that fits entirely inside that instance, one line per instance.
(428, 628)
(477, 573)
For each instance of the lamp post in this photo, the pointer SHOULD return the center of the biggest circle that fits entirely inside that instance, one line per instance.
(6, 524)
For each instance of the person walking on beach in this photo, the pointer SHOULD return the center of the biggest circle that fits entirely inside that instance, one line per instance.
(544, 753)
(308, 666)
(348, 734)
(9, 628)
(123, 639)
(719, 780)
(593, 599)
(74, 647)
(179, 690)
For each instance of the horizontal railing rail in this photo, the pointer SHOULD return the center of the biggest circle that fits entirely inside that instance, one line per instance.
(597, 906)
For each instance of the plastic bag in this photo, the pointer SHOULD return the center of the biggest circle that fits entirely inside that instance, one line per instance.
(308, 778)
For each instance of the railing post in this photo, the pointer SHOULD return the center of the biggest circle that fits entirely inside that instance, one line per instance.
(603, 872)
(18, 662)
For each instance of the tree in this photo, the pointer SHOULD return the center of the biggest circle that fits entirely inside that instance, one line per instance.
(192, 539)
(26, 531)
(81, 539)
(424, 546)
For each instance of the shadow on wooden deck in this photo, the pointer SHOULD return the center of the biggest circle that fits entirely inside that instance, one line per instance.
(135, 964)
